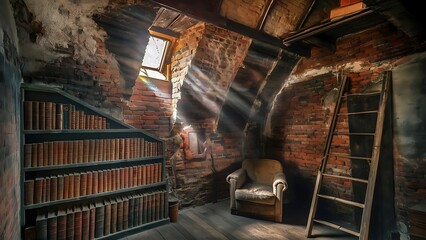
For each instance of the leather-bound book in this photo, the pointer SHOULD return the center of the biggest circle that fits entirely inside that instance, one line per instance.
(41, 226)
(149, 207)
(76, 152)
(77, 180)
(65, 152)
(144, 175)
(66, 186)
(62, 225)
(95, 182)
(131, 211)
(78, 223)
(80, 158)
(59, 116)
(104, 123)
(38, 190)
(71, 186)
(145, 208)
(112, 149)
(53, 115)
(27, 155)
(83, 184)
(109, 178)
(28, 115)
(122, 178)
(48, 115)
(52, 226)
(50, 153)
(117, 148)
(162, 205)
(148, 173)
(29, 192)
(107, 223)
(113, 216)
(125, 213)
(86, 222)
(139, 175)
(46, 195)
(100, 220)
(55, 153)
(105, 180)
(142, 147)
(61, 153)
(72, 117)
(70, 152)
(89, 185)
(92, 228)
(101, 150)
(42, 115)
(92, 148)
(120, 214)
(70, 223)
(122, 148)
(77, 119)
(61, 189)
(45, 154)
(34, 155)
(157, 205)
(86, 145)
(35, 115)
(126, 148)
(140, 209)
(130, 178)
(136, 210)
(53, 188)
(107, 149)
(40, 152)
(100, 181)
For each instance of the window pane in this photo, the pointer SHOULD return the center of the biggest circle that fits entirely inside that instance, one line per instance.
(154, 53)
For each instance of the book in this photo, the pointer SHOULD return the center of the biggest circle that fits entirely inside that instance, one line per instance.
(50, 153)
(71, 186)
(45, 154)
(66, 116)
(125, 213)
(107, 223)
(53, 115)
(95, 182)
(61, 184)
(83, 184)
(131, 211)
(113, 215)
(55, 153)
(77, 187)
(80, 158)
(122, 178)
(29, 192)
(78, 223)
(92, 228)
(70, 152)
(62, 225)
(28, 115)
(139, 175)
(140, 209)
(76, 119)
(66, 186)
(157, 205)
(47, 192)
(120, 214)
(89, 186)
(100, 181)
(34, 155)
(76, 151)
(70, 223)
(53, 188)
(41, 226)
(100, 220)
(35, 115)
(130, 176)
(60, 152)
(42, 116)
(162, 205)
(149, 207)
(92, 150)
(65, 152)
(52, 226)
(148, 174)
(40, 152)
(107, 149)
(48, 115)
(145, 208)
(30, 233)
(136, 211)
(86, 222)
(59, 116)
(112, 149)
(27, 155)
(86, 145)
(101, 150)
(38, 190)
(109, 178)
(144, 175)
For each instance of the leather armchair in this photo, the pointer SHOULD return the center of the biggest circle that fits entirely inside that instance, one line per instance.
(257, 188)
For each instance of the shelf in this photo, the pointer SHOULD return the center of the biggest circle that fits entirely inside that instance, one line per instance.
(134, 230)
(93, 196)
(88, 131)
(82, 165)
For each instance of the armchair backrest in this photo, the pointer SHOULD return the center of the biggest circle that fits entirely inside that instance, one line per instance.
(262, 170)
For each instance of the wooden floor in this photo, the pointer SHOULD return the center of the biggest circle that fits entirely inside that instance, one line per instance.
(214, 221)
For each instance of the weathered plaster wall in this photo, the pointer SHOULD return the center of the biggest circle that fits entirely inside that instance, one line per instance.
(10, 79)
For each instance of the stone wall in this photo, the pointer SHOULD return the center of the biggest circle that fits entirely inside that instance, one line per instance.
(10, 78)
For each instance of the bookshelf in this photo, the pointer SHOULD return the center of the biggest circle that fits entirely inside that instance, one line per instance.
(85, 174)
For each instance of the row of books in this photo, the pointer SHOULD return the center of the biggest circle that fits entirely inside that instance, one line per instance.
(50, 116)
(74, 185)
(88, 150)
(102, 218)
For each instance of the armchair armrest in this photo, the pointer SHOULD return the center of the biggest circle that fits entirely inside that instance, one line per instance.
(279, 185)
(238, 178)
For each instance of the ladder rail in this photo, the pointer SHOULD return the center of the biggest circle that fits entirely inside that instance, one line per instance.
(375, 156)
(327, 148)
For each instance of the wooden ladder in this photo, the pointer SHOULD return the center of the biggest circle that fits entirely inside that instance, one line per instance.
(374, 162)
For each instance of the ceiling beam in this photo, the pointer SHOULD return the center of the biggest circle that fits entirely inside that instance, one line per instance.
(203, 14)
(265, 14)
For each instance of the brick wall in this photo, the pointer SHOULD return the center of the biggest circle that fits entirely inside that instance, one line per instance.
(300, 117)
(10, 79)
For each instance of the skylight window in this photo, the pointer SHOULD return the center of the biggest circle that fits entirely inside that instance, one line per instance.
(154, 53)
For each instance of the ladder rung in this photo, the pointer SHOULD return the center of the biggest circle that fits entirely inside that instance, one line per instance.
(348, 156)
(356, 134)
(348, 178)
(360, 94)
(360, 205)
(337, 227)
(358, 113)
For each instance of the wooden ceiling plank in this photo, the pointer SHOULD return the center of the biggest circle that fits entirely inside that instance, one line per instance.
(265, 14)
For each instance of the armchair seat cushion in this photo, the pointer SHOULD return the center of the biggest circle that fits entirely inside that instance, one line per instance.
(256, 193)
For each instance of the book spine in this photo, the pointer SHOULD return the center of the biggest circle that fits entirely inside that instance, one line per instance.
(47, 193)
(53, 116)
(42, 115)
(77, 179)
(78, 224)
(71, 186)
(99, 224)
(48, 115)
(60, 152)
(95, 182)
(66, 186)
(131, 211)
(83, 184)
(70, 224)
(62, 227)
(52, 227)
(45, 153)
(120, 215)
(27, 155)
(34, 155)
(53, 188)
(59, 116)
(60, 187)
(41, 228)
(86, 224)
(136, 211)
(114, 217)
(29, 192)
(50, 154)
(107, 223)
(28, 115)
(36, 116)
(38, 190)
(141, 209)
(55, 153)
(92, 222)
(89, 185)
(100, 181)
(125, 213)
(40, 154)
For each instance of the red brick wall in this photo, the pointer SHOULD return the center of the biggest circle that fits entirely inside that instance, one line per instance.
(299, 121)
(10, 79)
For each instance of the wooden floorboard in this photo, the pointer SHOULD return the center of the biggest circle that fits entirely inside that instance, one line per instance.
(214, 221)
